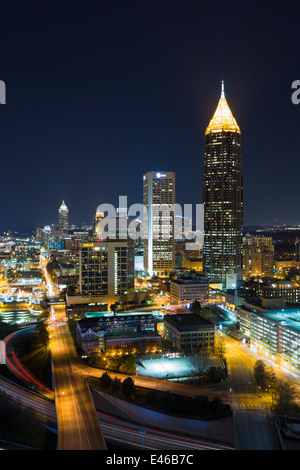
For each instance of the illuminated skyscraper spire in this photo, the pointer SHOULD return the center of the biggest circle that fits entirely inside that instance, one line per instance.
(222, 90)
(63, 217)
(223, 119)
(223, 197)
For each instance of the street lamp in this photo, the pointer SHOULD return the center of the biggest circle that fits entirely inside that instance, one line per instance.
(142, 432)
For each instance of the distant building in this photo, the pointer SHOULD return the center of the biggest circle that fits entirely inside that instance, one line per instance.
(63, 269)
(189, 332)
(258, 256)
(63, 219)
(276, 289)
(195, 264)
(158, 222)
(187, 290)
(97, 228)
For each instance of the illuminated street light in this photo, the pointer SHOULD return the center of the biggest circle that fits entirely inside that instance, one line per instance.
(142, 432)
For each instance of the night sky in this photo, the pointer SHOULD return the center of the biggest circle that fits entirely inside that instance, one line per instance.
(100, 92)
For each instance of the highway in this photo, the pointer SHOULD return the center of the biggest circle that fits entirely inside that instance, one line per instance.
(14, 364)
(78, 426)
(253, 425)
(116, 431)
(128, 435)
(239, 390)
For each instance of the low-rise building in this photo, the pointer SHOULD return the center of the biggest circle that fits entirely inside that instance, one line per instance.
(189, 332)
(276, 289)
(187, 290)
(87, 335)
(118, 333)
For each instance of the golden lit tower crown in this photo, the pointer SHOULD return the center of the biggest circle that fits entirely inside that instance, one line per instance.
(222, 194)
(223, 119)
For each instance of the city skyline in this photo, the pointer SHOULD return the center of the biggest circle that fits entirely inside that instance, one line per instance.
(124, 104)
(149, 229)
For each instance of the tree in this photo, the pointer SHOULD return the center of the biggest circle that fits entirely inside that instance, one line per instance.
(105, 380)
(215, 374)
(220, 349)
(285, 398)
(116, 385)
(199, 363)
(260, 373)
(265, 376)
(43, 333)
(128, 387)
(127, 364)
(112, 363)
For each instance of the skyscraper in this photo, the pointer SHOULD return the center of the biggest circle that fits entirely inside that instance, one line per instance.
(97, 228)
(258, 256)
(158, 222)
(63, 219)
(223, 197)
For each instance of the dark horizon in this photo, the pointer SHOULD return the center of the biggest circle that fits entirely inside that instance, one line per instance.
(100, 93)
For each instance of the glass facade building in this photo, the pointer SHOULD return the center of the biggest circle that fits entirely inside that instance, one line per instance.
(158, 222)
(223, 198)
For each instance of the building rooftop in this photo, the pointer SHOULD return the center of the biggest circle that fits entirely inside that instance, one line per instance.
(288, 318)
(188, 321)
(190, 280)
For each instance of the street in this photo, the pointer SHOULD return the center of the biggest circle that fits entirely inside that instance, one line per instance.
(78, 426)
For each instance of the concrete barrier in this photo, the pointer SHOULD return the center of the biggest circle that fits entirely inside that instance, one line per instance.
(216, 429)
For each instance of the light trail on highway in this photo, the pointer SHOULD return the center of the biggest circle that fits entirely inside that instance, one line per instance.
(115, 430)
(18, 369)
(154, 439)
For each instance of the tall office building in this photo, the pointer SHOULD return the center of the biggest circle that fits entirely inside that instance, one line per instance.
(106, 269)
(158, 222)
(223, 198)
(63, 219)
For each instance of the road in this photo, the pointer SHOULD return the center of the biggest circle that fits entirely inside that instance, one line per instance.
(43, 407)
(116, 431)
(14, 364)
(78, 426)
(253, 427)
(128, 435)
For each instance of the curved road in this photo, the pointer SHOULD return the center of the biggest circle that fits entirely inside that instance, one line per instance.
(253, 427)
